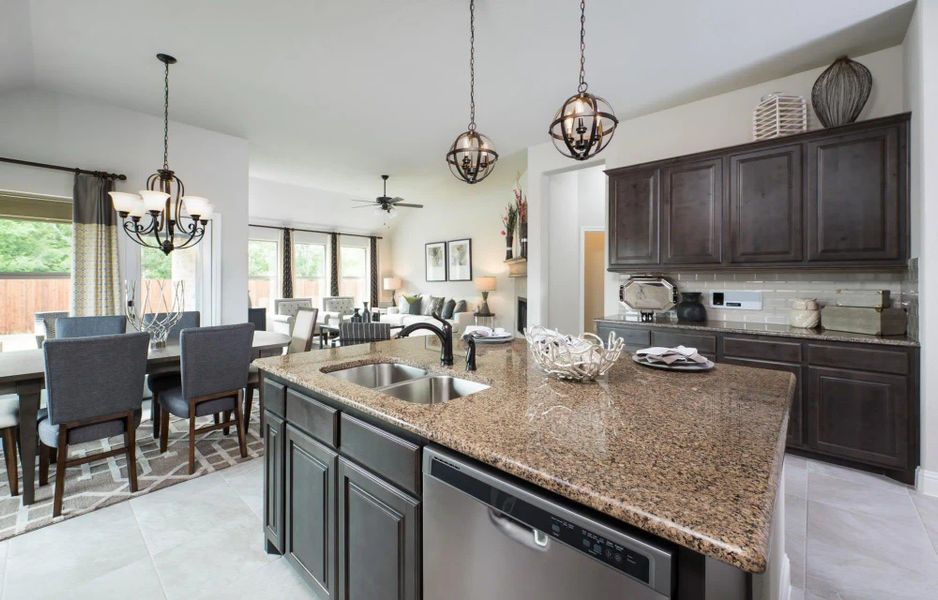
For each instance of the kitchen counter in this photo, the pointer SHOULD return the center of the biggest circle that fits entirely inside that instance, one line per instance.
(821, 335)
(694, 458)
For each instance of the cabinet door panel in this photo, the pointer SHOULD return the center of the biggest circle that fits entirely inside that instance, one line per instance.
(765, 205)
(378, 538)
(274, 432)
(854, 208)
(633, 218)
(692, 212)
(858, 415)
(310, 510)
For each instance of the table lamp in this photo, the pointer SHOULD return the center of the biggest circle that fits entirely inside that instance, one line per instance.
(485, 285)
(392, 284)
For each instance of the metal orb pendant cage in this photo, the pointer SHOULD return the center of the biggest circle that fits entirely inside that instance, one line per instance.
(472, 156)
(176, 221)
(584, 125)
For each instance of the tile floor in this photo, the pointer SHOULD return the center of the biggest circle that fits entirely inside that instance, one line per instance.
(850, 536)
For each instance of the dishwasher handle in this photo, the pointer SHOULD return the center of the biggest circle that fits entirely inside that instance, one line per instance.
(519, 532)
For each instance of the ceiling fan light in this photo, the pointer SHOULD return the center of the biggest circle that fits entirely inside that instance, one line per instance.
(472, 157)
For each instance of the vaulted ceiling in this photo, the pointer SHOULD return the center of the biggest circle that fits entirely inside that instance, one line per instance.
(331, 93)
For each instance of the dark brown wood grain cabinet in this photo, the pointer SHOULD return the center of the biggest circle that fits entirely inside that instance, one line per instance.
(633, 218)
(692, 212)
(274, 434)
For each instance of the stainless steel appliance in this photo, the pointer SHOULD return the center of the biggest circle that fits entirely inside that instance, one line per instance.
(487, 537)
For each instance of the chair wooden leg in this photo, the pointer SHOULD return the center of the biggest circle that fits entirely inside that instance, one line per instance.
(164, 429)
(241, 427)
(44, 452)
(248, 405)
(9, 453)
(191, 444)
(156, 415)
(60, 472)
(226, 416)
(130, 444)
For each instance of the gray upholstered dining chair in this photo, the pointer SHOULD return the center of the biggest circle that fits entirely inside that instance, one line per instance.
(351, 332)
(164, 381)
(94, 393)
(214, 363)
(9, 428)
(75, 327)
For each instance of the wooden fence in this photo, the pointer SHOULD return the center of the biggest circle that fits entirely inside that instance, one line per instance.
(22, 297)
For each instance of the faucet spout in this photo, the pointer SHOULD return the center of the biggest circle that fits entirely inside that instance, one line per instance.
(444, 332)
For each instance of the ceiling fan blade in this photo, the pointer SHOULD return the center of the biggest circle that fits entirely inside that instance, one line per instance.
(408, 205)
(368, 206)
(396, 199)
(365, 201)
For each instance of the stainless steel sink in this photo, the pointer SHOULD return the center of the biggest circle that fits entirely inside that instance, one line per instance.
(433, 389)
(376, 375)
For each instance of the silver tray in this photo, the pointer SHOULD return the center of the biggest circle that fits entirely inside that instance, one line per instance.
(696, 367)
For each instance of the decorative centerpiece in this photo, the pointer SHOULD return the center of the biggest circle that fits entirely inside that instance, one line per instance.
(779, 114)
(581, 358)
(841, 92)
(521, 203)
(159, 316)
(510, 221)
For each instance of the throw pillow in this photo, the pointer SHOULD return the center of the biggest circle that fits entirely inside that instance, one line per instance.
(413, 304)
(435, 305)
(448, 309)
(460, 307)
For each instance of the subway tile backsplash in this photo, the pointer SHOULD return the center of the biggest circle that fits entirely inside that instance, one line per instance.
(779, 288)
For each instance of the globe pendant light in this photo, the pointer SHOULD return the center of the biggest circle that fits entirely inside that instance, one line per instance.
(176, 221)
(584, 124)
(472, 156)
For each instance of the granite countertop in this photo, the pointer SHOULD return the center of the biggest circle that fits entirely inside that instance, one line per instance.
(823, 335)
(692, 457)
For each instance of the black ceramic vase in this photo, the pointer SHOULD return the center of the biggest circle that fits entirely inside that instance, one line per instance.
(690, 310)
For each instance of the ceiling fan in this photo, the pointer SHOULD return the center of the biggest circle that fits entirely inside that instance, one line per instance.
(385, 202)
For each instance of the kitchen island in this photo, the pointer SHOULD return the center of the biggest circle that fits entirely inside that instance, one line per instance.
(691, 459)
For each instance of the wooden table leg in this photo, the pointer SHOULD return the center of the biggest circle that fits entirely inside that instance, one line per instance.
(28, 392)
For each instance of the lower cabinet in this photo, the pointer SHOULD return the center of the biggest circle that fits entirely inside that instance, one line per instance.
(379, 533)
(274, 433)
(310, 506)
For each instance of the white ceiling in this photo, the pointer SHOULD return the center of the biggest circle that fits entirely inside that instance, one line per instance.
(331, 93)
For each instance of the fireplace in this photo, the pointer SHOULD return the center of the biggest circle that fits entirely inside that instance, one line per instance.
(522, 313)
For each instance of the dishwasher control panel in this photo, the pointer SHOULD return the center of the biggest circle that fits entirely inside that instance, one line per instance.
(613, 554)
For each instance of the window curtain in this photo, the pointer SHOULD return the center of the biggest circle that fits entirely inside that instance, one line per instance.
(96, 288)
(287, 270)
(334, 263)
(373, 261)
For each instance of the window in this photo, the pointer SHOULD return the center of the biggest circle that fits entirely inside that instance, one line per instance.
(310, 269)
(263, 267)
(159, 275)
(353, 270)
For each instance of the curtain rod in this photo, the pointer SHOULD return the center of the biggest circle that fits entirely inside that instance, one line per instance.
(377, 237)
(30, 163)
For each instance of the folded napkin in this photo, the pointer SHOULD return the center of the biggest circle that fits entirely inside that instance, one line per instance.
(482, 331)
(670, 356)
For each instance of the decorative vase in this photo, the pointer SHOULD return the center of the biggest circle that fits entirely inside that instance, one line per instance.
(356, 318)
(841, 92)
(523, 233)
(366, 314)
(689, 309)
(509, 247)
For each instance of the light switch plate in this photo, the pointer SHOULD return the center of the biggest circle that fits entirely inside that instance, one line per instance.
(735, 300)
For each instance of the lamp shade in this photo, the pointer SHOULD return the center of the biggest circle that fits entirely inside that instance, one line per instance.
(392, 283)
(485, 284)
(126, 203)
(153, 200)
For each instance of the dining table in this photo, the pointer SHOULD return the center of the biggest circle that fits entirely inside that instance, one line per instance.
(23, 373)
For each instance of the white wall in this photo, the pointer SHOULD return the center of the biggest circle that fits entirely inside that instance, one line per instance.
(72, 131)
(723, 120)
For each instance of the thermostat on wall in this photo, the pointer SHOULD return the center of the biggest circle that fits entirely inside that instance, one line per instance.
(736, 300)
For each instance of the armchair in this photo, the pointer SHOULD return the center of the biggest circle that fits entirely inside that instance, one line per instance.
(336, 307)
(285, 313)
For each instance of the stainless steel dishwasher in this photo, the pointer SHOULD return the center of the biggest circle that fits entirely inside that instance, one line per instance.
(485, 537)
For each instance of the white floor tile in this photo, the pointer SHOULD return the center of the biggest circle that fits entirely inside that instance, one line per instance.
(874, 497)
(927, 507)
(277, 580)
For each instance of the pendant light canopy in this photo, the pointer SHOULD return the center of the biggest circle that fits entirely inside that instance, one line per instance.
(583, 126)
(472, 156)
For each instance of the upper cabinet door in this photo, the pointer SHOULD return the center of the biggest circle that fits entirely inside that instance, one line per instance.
(692, 212)
(765, 205)
(855, 190)
(633, 218)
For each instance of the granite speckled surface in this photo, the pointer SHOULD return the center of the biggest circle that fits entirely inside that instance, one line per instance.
(692, 457)
(821, 335)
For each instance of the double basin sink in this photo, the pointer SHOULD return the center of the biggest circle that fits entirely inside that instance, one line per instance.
(407, 383)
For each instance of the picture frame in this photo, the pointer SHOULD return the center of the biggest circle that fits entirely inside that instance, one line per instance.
(459, 259)
(435, 261)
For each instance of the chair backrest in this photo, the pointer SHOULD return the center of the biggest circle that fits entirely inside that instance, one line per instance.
(258, 318)
(351, 333)
(301, 339)
(344, 305)
(215, 359)
(289, 306)
(187, 319)
(76, 327)
(45, 323)
(97, 376)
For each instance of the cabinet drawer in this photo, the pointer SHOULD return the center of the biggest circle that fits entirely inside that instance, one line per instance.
(704, 342)
(313, 417)
(761, 349)
(273, 393)
(391, 457)
(639, 338)
(859, 358)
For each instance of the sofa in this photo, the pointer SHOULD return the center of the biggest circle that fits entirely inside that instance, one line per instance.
(398, 315)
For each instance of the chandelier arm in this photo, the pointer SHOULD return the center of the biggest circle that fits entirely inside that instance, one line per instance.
(193, 239)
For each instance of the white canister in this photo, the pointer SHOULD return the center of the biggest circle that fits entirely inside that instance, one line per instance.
(805, 313)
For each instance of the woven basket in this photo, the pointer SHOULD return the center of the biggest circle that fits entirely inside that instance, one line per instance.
(778, 115)
(581, 358)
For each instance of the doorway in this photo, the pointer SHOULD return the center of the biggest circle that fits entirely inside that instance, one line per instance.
(593, 272)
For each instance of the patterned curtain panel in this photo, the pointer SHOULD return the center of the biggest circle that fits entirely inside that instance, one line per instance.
(374, 270)
(287, 271)
(96, 288)
(334, 258)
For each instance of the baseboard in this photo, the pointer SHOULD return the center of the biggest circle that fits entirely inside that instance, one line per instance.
(926, 482)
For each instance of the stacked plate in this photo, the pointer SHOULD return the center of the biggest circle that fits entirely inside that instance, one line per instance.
(680, 358)
(488, 335)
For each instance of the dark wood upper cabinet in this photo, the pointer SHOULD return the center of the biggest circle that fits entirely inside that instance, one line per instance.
(854, 208)
(692, 212)
(633, 218)
(765, 205)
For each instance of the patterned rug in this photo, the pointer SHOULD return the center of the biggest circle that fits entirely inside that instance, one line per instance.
(101, 483)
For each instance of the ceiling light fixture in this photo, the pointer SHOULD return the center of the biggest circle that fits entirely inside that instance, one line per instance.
(171, 211)
(472, 156)
(583, 126)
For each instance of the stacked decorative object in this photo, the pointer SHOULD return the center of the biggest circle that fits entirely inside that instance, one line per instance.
(778, 115)
(804, 313)
(864, 311)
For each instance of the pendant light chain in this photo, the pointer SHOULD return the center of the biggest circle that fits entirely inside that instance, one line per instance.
(166, 118)
(472, 65)
(582, 87)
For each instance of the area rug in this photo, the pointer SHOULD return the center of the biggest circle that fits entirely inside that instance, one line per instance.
(102, 483)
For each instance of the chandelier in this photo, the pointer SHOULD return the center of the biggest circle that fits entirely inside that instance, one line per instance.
(472, 156)
(583, 126)
(176, 221)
